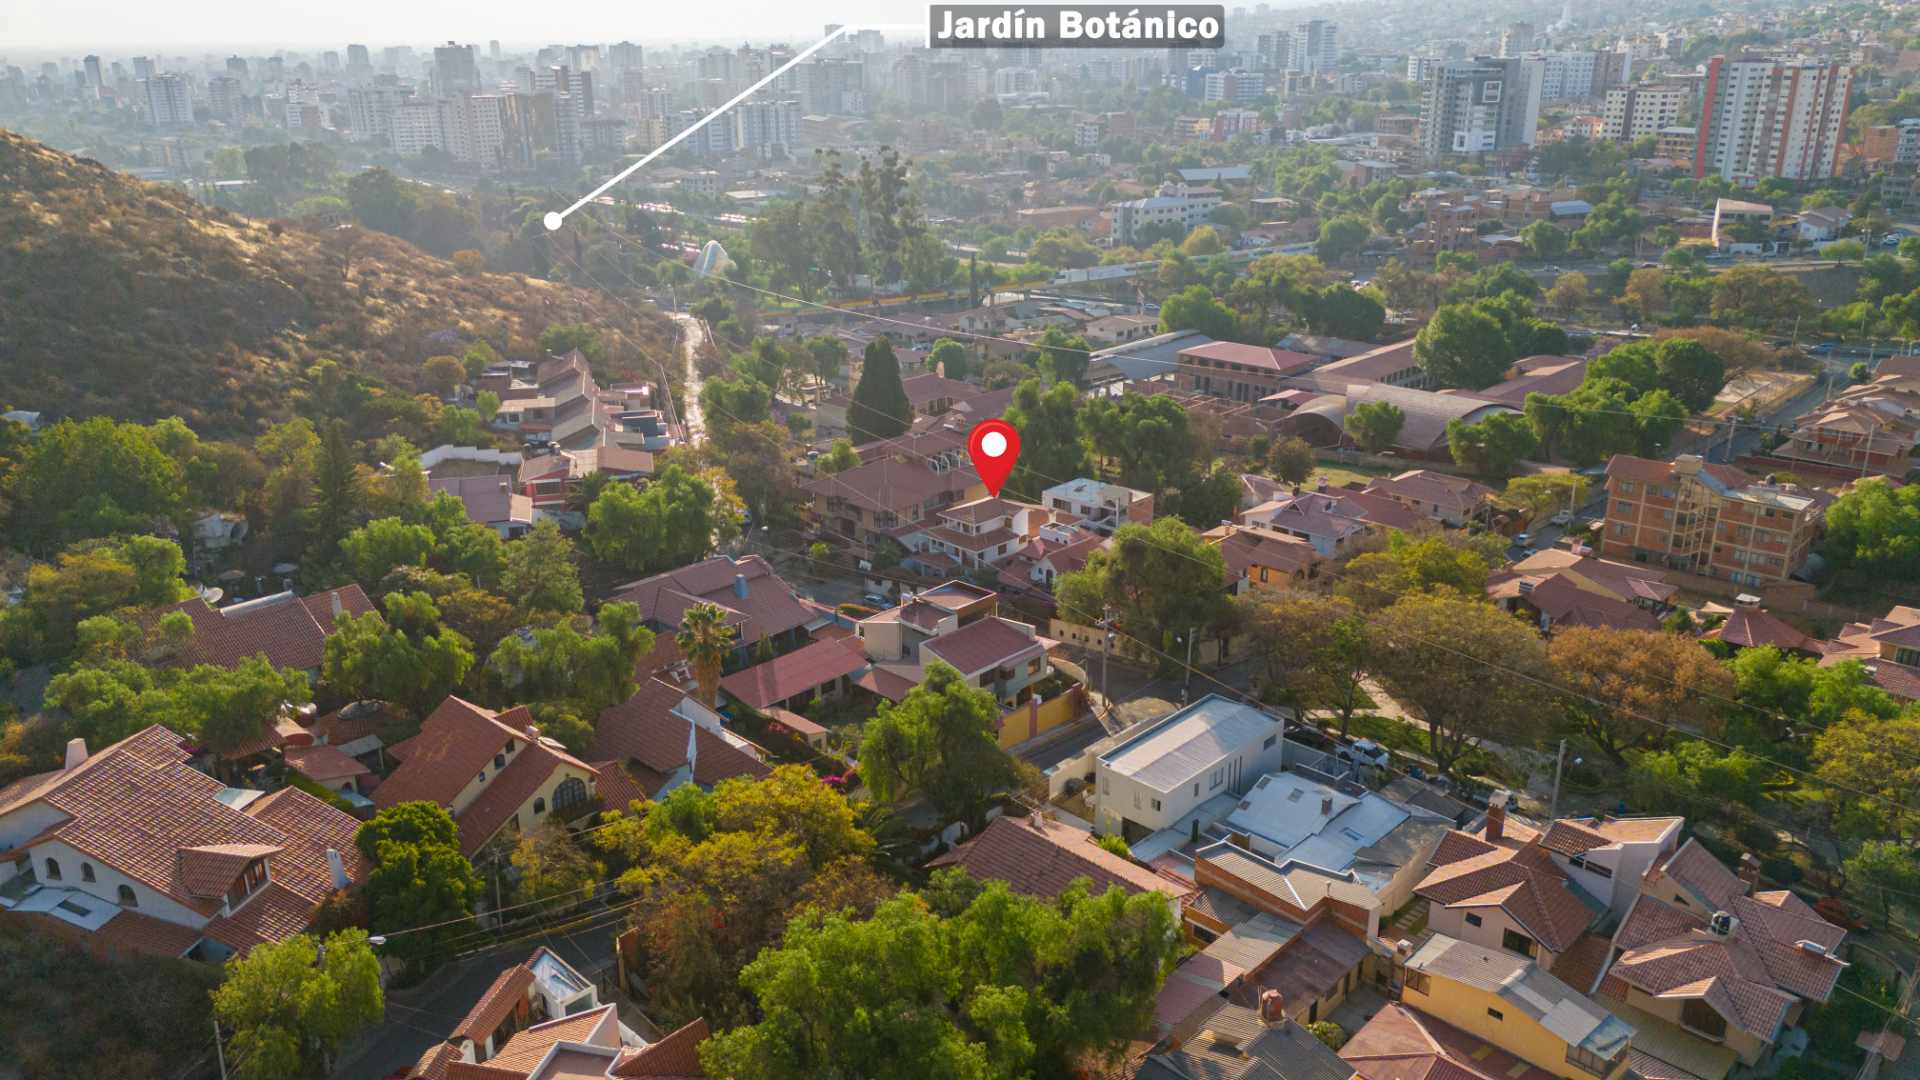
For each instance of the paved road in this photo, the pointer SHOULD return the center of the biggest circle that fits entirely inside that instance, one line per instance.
(694, 336)
(417, 1023)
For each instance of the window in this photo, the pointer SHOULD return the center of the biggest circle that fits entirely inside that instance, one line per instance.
(1495, 1013)
(499, 761)
(1219, 777)
(53, 869)
(1417, 981)
(127, 897)
(86, 871)
(571, 792)
(1156, 804)
(1473, 920)
(539, 806)
(482, 778)
(1270, 740)
(1514, 941)
(1591, 867)
(1700, 1018)
(1588, 1061)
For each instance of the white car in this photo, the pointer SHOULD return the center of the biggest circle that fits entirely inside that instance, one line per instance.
(1365, 752)
(1563, 518)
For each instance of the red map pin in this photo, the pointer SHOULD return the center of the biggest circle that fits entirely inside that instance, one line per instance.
(995, 446)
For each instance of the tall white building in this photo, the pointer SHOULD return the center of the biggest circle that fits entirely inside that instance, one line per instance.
(1480, 106)
(223, 97)
(1314, 47)
(370, 109)
(169, 101)
(418, 124)
(769, 129)
(1173, 203)
(1635, 112)
(476, 128)
(1772, 118)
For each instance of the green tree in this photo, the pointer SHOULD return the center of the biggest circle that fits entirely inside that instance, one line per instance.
(552, 866)
(672, 522)
(1311, 648)
(1629, 687)
(1202, 241)
(407, 658)
(1194, 308)
(1545, 494)
(1874, 529)
(375, 549)
(84, 478)
(539, 572)
(1341, 236)
(1160, 579)
(1544, 240)
(1147, 438)
(838, 458)
(1493, 446)
(1342, 311)
(1063, 356)
(1463, 346)
(419, 882)
(707, 640)
(950, 358)
(941, 743)
(1872, 763)
(1415, 565)
(1375, 425)
(1052, 450)
(1430, 651)
(1883, 869)
(1290, 459)
(291, 1005)
(880, 409)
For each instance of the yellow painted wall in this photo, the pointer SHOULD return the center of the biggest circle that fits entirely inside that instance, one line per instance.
(1465, 1007)
(1025, 722)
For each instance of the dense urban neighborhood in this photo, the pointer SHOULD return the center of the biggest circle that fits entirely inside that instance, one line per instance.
(499, 576)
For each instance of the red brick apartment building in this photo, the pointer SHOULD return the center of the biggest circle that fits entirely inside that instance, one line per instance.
(1713, 520)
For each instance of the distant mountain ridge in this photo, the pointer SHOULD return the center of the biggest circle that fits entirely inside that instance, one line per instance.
(133, 300)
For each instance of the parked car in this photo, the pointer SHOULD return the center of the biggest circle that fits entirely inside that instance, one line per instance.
(878, 600)
(1521, 540)
(1365, 752)
(1563, 518)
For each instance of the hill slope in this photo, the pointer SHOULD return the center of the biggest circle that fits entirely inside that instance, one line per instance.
(133, 300)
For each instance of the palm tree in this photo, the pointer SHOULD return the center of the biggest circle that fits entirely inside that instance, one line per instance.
(705, 640)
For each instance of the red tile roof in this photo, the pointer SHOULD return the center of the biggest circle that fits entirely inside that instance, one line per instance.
(508, 992)
(1750, 627)
(322, 763)
(290, 631)
(675, 1055)
(500, 801)
(528, 1048)
(770, 607)
(1400, 1043)
(1041, 858)
(457, 740)
(1522, 881)
(1273, 361)
(984, 644)
(816, 664)
(135, 806)
(644, 730)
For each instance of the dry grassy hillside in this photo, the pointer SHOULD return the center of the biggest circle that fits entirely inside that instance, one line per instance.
(133, 300)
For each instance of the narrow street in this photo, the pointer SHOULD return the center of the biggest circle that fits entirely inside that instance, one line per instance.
(694, 336)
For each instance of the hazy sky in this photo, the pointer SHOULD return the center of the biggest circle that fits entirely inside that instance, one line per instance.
(133, 26)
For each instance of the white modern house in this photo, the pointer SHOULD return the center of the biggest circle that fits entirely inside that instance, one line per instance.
(1156, 776)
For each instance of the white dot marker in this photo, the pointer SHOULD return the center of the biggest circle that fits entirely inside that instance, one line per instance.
(553, 220)
(993, 444)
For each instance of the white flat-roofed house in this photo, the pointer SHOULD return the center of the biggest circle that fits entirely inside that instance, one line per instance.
(1155, 777)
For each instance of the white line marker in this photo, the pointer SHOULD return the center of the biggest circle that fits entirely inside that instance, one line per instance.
(556, 218)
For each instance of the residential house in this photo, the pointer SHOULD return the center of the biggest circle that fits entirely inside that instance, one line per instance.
(1513, 1004)
(1715, 967)
(1239, 372)
(896, 487)
(974, 535)
(1291, 937)
(494, 772)
(490, 501)
(757, 603)
(1741, 226)
(1557, 588)
(331, 768)
(290, 631)
(1039, 857)
(933, 394)
(1714, 520)
(1869, 428)
(540, 989)
(1400, 1042)
(1229, 1040)
(958, 624)
(1332, 520)
(590, 1043)
(661, 738)
(1057, 549)
(1100, 507)
(1258, 559)
(1110, 330)
(1451, 500)
(1821, 224)
(823, 669)
(1888, 647)
(1502, 888)
(1158, 774)
(1751, 627)
(131, 851)
(551, 480)
(1607, 857)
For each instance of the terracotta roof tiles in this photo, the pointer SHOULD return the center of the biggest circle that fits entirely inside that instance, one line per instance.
(1041, 858)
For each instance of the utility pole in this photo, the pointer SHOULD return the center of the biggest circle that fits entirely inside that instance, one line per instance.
(219, 1052)
(1559, 759)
